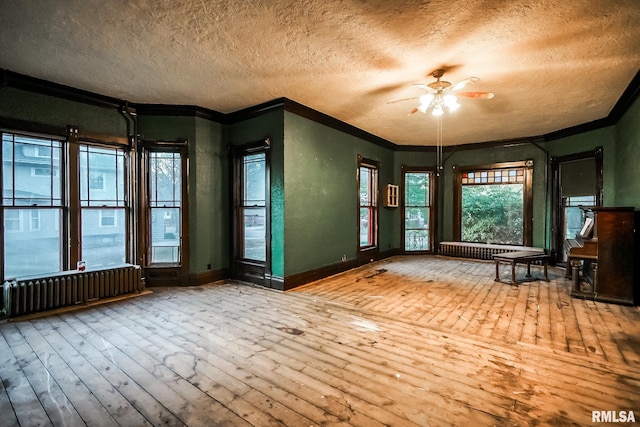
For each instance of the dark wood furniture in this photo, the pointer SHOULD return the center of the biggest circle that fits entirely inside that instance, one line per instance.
(601, 263)
(520, 257)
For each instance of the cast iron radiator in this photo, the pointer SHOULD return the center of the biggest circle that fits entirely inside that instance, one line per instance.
(67, 288)
(480, 250)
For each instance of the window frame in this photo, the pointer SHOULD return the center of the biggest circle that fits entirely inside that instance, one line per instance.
(527, 214)
(368, 252)
(79, 203)
(155, 270)
(64, 165)
(245, 204)
(56, 146)
(259, 272)
(432, 231)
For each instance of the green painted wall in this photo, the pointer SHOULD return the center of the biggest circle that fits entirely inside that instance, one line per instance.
(269, 125)
(34, 107)
(321, 210)
(627, 170)
(210, 165)
(313, 176)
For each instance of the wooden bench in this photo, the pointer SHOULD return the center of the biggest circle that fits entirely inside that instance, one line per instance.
(522, 257)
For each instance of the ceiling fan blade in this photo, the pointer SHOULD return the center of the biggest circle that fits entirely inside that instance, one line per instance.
(403, 99)
(478, 95)
(463, 83)
(423, 86)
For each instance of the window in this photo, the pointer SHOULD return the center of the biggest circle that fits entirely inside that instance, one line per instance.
(251, 212)
(34, 224)
(368, 201)
(54, 215)
(494, 203)
(107, 218)
(97, 181)
(253, 206)
(417, 209)
(43, 171)
(31, 205)
(102, 184)
(13, 221)
(165, 207)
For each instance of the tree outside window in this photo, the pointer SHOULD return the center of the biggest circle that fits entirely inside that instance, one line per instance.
(495, 204)
(417, 210)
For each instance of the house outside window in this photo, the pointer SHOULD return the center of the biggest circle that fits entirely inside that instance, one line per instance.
(165, 207)
(102, 206)
(31, 205)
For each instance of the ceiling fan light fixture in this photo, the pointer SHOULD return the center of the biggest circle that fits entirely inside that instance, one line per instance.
(451, 102)
(426, 100)
(442, 95)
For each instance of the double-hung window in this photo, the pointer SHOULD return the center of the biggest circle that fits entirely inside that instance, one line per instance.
(418, 185)
(62, 201)
(102, 206)
(165, 207)
(32, 205)
(368, 203)
(253, 206)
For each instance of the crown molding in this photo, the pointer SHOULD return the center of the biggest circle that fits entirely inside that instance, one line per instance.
(33, 84)
(45, 87)
(178, 110)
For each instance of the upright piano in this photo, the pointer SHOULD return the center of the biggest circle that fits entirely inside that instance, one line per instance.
(602, 256)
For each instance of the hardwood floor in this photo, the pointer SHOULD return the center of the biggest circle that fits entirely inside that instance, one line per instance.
(461, 295)
(407, 341)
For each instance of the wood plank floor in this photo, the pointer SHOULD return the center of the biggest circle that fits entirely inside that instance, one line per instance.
(462, 295)
(407, 341)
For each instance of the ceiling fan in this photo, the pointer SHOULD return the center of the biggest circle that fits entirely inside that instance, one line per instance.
(441, 94)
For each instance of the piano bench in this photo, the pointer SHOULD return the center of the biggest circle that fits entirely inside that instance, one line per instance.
(522, 257)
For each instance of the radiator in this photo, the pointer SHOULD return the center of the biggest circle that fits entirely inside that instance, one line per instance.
(68, 288)
(480, 250)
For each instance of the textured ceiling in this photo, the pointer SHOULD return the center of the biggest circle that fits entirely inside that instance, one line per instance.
(551, 64)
